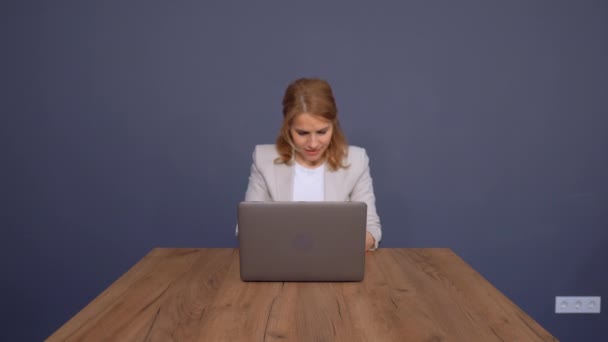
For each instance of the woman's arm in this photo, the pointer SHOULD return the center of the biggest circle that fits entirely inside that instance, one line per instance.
(257, 190)
(364, 192)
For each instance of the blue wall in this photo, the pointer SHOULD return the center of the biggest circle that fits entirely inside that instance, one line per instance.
(127, 126)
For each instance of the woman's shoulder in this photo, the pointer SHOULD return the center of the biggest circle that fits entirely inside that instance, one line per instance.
(266, 149)
(265, 153)
(356, 150)
(357, 155)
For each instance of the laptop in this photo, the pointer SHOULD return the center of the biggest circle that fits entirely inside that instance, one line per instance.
(302, 241)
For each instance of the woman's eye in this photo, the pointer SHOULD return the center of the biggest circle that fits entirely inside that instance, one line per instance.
(321, 132)
(302, 133)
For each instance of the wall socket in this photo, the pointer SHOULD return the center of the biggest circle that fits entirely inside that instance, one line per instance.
(566, 304)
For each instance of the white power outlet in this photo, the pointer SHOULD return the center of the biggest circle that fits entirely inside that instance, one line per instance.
(565, 304)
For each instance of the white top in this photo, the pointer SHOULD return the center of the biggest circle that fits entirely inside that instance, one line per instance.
(309, 184)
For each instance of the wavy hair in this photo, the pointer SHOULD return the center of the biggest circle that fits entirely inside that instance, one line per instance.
(313, 96)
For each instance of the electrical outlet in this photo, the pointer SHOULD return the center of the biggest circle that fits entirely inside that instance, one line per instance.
(566, 304)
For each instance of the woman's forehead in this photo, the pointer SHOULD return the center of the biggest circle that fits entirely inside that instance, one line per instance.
(310, 121)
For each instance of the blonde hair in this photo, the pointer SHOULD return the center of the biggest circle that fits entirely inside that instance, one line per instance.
(313, 96)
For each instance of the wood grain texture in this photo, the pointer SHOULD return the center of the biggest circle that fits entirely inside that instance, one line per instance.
(197, 295)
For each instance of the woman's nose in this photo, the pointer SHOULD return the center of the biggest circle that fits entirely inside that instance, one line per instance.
(313, 140)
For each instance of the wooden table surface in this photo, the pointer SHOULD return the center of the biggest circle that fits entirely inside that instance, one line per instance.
(197, 295)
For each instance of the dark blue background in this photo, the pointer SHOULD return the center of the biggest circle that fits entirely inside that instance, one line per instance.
(130, 125)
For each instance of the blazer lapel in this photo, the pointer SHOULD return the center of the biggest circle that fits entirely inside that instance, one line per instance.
(283, 182)
(333, 183)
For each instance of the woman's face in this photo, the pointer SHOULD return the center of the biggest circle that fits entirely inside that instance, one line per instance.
(311, 135)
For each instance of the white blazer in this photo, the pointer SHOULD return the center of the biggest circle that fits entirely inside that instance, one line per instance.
(269, 181)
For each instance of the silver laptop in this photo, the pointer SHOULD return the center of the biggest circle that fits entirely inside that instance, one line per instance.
(302, 241)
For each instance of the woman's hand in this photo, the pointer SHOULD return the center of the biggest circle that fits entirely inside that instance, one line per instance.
(369, 241)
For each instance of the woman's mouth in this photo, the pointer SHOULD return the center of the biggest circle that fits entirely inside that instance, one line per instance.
(312, 152)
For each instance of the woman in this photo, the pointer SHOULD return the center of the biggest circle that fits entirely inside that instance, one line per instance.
(311, 160)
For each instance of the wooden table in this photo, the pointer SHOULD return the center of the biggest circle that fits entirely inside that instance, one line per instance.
(197, 295)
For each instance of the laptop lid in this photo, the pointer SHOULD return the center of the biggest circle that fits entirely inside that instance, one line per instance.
(302, 241)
